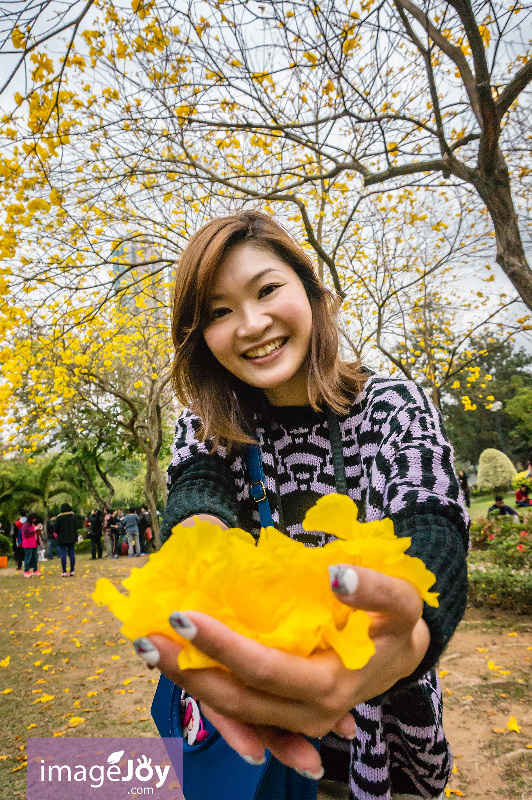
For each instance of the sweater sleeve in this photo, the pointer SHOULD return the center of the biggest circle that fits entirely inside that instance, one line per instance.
(199, 478)
(422, 496)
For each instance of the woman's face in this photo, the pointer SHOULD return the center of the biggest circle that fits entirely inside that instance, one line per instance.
(260, 324)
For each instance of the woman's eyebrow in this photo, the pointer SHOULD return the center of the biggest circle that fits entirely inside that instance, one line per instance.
(250, 282)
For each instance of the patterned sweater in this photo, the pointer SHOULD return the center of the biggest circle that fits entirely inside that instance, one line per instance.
(398, 464)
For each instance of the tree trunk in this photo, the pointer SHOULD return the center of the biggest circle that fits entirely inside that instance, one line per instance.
(154, 487)
(496, 192)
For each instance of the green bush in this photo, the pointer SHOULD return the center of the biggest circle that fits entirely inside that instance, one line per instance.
(84, 546)
(501, 588)
(5, 545)
(495, 470)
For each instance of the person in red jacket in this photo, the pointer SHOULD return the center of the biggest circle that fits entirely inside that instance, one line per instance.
(30, 540)
(521, 496)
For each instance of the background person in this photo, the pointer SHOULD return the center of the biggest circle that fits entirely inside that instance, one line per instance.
(131, 527)
(95, 523)
(30, 541)
(52, 541)
(464, 485)
(66, 535)
(500, 509)
(16, 532)
(522, 500)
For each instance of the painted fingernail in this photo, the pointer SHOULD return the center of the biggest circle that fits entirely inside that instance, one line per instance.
(147, 651)
(347, 736)
(253, 761)
(343, 580)
(306, 773)
(182, 624)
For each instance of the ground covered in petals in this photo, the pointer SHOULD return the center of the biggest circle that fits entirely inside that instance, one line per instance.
(65, 670)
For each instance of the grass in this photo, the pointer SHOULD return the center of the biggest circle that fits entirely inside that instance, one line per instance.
(64, 648)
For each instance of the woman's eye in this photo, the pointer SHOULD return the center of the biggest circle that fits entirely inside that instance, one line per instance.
(217, 313)
(268, 289)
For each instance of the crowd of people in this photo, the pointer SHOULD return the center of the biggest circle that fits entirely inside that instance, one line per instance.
(127, 534)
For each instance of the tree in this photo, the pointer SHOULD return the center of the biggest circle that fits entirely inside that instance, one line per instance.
(519, 408)
(39, 484)
(114, 371)
(499, 372)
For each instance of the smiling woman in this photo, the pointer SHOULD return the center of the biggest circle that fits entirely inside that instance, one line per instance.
(257, 361)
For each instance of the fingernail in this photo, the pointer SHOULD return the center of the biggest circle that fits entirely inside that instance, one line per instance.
(182, 624)
(147, 651)
(347, 736)
(343, 580)
(253, 761)
(305, 773)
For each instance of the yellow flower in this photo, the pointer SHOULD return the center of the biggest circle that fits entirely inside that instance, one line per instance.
(276, 591)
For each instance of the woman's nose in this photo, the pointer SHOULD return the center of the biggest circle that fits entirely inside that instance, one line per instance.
(253, 322)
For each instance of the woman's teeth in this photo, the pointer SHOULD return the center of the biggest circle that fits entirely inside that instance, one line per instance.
(265, 350)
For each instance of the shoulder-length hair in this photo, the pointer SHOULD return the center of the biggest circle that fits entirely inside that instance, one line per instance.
(229, 408)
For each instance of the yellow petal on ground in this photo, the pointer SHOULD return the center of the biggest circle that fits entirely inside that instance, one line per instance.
(482, 649)
(491, 665)
(45, 698)
(73, 721)
(5, 661)
(443, 673)
(6, 691)
(32, 725)
(512, 725)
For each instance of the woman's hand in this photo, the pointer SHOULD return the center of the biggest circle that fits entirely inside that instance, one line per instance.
(267, 698)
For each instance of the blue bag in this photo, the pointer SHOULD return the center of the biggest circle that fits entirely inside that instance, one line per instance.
(212, 769)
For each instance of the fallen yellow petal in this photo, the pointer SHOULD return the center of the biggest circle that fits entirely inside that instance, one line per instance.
(5, 661)
(512, 725)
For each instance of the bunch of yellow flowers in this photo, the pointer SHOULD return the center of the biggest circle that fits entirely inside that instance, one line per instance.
(275, 591)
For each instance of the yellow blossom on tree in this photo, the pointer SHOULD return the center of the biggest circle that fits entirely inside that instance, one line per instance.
(276, 591)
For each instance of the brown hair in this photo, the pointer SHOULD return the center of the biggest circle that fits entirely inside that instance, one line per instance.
(229, 408)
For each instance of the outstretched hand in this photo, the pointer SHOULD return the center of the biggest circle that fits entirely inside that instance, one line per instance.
(266, 698)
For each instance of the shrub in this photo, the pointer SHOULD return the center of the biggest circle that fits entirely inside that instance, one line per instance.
(521, 478)
(495, 470)
(501, 588)
(499, 534)
(84, 546)
(5, 545)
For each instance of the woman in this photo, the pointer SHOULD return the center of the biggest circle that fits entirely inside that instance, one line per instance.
(30, 541)
(257, 360)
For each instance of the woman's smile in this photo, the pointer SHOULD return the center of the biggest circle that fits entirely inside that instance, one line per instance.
(265, 349)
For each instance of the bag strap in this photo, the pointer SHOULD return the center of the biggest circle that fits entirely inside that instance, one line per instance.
(258, 487)
(256, 469)
(337, 452)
